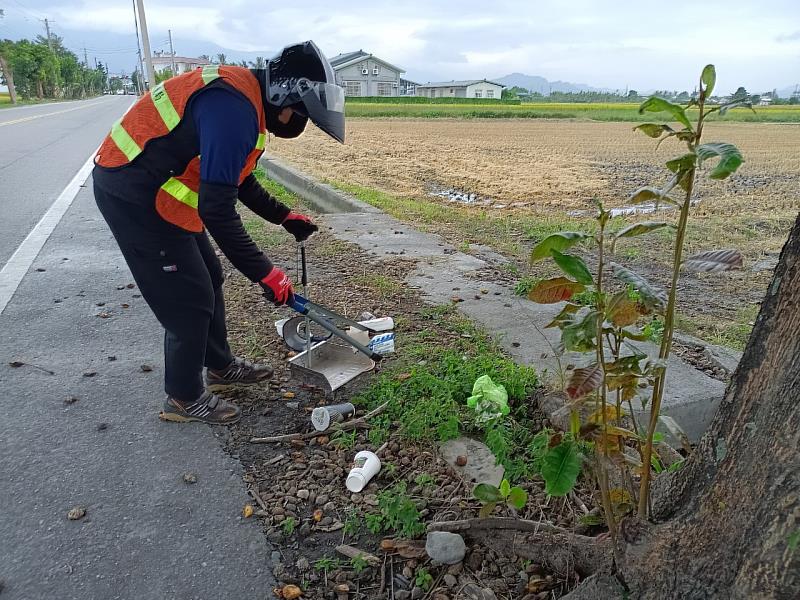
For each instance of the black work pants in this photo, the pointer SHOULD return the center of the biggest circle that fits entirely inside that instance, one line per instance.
(180, 277)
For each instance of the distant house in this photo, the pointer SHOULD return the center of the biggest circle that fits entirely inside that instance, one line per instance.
(765, 100)
(408, 87)
(363, 74)
(472, 88)
(164, 61)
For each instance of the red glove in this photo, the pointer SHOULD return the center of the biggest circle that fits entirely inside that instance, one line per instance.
(277, 287)
(300, 226)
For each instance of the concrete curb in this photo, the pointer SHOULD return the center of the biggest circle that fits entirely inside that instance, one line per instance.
(322, 197)
(691, 397)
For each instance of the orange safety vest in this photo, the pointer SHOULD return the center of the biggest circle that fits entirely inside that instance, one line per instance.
(156, 114)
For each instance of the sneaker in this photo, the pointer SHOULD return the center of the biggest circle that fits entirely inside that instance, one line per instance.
(208, 408)
(239, 372)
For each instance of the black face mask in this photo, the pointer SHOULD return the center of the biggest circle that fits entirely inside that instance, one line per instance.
(296, 125)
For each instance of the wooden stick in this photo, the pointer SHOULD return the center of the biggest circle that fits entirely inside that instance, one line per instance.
(346, 426)
(496, 523)
(353, 552)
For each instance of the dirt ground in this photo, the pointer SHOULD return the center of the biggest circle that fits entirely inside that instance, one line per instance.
(298, 487)
(530, 177)
(542, 164)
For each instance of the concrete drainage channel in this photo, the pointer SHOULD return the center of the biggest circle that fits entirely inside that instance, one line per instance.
(691, 396)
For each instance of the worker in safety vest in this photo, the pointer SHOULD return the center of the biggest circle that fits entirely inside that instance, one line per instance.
(171, 169)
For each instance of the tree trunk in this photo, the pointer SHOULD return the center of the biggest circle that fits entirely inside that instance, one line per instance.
(733, 528)
(12, 91)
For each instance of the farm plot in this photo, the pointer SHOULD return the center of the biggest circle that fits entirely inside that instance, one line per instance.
(516, 181)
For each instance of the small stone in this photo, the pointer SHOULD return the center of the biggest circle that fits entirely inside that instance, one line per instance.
(189, 477)
(130, 286)
(76, 513)
(288, 395)
(70, 400)
(41, 269)
(455, 569)
(417, 593)
(303, 494)
(146, 368)
(322, 500)
(475, 592)
(445, 547)
(294, 406)
(100, 304)
(450, 580)
(112, 358)
(125, 305)
(302, 564)
(90, 373)
(461, 460)
(408, 573)
(102, 426)
(456, 299)
(326, 521)
(329, 507)
(402, 595)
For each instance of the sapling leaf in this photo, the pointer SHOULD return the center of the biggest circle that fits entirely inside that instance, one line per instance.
(558, 241)
(550, 291)
(487, 493)
(656, 104)
(714, 261)
(744, 103)
(518, 498)
(651, 296)
(505, 488)
(646, 194)
(580, 335)
(564, 317)
(584, 381)
(638, 229)
(560, 468)
(621, 310)
(573, 266)
(709, 79)
(682, 163)
(654, 130)
(730, 159)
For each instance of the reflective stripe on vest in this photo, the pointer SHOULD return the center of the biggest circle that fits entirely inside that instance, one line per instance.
(181, 192)
(261, 141)
(164, 106)
(125, 142)
(210, 73)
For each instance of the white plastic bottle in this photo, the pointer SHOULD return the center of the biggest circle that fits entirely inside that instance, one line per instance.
(366, 465)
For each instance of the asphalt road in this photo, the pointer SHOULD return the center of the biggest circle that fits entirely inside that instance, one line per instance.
(146, 534)
(41, 148)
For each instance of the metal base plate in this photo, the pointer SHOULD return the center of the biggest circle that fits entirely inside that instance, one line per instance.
(332, 366)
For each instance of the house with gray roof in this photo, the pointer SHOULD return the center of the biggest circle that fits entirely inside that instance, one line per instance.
(470, 88)
(364, 74)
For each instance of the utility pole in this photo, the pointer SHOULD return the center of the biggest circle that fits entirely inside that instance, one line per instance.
(172, 52)
(47, 29)
(140, 83)
(148, 59)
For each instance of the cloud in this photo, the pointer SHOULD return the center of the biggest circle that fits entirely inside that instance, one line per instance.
(788, 37)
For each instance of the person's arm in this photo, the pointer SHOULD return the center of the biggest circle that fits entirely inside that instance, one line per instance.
(226, 129)
(259, 200)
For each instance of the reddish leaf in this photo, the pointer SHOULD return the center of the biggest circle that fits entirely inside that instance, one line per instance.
(555, 290)
(584, 381)
(622, 311)
(714, 261)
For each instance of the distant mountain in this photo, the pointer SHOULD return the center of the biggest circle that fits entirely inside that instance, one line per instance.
(535, 83)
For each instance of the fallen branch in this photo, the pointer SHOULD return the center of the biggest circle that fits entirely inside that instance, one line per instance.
(353, 552)
(346, 426)
(558, 549)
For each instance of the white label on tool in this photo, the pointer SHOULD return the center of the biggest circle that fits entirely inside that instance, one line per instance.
(382, 344)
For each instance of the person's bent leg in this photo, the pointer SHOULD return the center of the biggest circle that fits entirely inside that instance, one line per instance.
(224, 369)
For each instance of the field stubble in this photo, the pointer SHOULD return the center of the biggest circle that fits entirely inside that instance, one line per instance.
(536, 174)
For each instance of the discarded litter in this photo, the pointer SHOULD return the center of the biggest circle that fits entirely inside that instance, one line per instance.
(323, 416)
(489, 400)
(366, 465)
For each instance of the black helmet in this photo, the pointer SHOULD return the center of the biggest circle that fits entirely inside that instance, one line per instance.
(301, 77)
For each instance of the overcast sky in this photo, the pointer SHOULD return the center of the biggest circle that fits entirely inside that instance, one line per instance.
(644, 45)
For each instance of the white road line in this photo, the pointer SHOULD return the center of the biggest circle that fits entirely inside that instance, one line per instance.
(17, 266)
(58, 112)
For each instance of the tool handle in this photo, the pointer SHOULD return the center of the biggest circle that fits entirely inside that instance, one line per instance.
(304, 276)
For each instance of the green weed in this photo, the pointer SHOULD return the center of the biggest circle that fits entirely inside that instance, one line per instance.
(396, 512)
(288, 525)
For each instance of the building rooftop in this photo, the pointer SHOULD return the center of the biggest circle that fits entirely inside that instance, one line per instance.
(347, 58)
(454, 83)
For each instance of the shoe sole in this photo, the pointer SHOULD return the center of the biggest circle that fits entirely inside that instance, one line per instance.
(176, 418)
(221, 387)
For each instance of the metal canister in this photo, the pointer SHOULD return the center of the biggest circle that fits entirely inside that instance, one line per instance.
(323, 416)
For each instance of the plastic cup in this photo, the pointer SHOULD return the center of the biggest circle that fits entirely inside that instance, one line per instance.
(323, 416)
(366, 465)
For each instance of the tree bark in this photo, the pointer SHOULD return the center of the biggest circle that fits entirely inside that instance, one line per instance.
(734, 509)
(12, 91)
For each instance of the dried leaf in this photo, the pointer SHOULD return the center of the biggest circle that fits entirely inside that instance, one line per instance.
(247, 511)
(555, 290)
(714, 261)
(622, 311)
(584, 381)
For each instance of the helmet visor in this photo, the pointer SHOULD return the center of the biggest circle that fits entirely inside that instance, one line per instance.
(324, 105)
